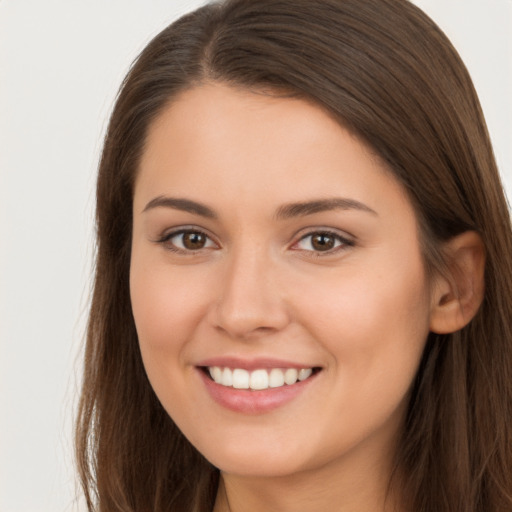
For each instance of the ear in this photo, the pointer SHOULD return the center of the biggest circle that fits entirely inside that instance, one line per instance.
(457, 296)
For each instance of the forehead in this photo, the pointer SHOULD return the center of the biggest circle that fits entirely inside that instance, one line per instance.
(224, 143)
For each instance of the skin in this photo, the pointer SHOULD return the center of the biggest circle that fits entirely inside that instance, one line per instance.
(258, 288)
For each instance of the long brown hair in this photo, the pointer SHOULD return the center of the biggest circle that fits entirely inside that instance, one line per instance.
(389, 75)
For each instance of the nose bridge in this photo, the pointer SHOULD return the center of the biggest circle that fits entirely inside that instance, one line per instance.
(250, 300)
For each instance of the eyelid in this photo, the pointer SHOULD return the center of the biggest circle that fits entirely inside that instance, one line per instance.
(165, 238)
(346, 240)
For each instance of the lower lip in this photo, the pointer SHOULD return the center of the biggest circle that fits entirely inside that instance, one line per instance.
(247, 401)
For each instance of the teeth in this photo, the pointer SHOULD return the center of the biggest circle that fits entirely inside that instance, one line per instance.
(276, 378)
(240, 379)
(258, 379)
(216, 374)
(227, 377)
(304, 373)
(290, 376)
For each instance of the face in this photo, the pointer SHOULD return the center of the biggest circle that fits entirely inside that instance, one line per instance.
(277, 283)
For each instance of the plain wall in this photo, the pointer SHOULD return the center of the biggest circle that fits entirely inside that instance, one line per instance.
(61, 62)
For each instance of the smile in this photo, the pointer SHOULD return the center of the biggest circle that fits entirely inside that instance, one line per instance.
(256, 386)
(259, 379)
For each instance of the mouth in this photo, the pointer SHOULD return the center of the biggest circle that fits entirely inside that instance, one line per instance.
(258, 379)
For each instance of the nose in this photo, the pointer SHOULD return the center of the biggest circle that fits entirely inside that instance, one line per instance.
(250, 301)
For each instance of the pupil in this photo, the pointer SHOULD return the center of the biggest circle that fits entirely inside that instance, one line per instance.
(323, 242)
(194, 240)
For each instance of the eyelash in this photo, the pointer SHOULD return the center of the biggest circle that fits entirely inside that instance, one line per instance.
(166, 240)
(342, 242)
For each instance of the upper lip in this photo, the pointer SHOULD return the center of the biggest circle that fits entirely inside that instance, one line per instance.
(254, 364)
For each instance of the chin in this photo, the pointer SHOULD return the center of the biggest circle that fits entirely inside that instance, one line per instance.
(247, 462)
(258, 469)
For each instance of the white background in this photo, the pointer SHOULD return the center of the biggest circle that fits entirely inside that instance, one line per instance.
(61, 62)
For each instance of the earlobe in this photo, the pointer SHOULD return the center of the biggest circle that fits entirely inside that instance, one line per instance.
(458, 295)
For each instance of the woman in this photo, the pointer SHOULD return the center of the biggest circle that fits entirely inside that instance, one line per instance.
(303, 285)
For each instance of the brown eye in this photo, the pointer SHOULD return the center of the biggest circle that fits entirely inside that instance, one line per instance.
(188, 241)
(322, 242)
(193, 240)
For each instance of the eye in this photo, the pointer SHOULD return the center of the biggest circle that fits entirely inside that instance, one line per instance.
(187, 240)
(322, 241)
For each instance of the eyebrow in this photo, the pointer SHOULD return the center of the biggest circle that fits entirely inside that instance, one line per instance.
(284, 212)
(288, 211)
(185, 205)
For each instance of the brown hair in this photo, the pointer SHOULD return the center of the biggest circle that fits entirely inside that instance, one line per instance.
(388, 73)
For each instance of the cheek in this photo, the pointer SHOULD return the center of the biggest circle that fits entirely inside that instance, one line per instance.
(375, 331)
(374, 324)
(388, 294)
(167, 307)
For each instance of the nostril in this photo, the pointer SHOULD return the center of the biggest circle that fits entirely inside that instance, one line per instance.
(246, 328)
(248, 306)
